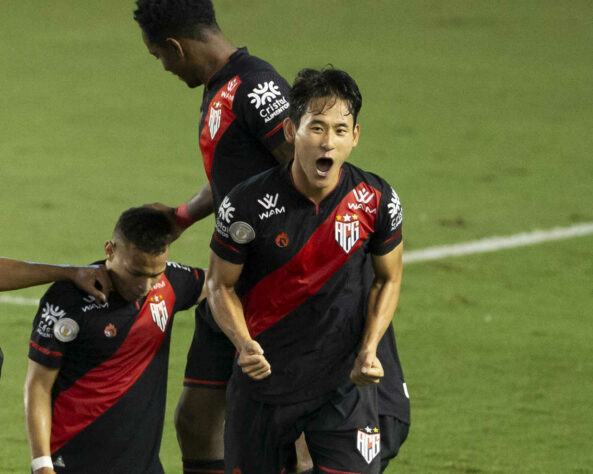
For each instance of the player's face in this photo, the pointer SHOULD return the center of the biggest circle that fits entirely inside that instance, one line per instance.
(322, 142)
(174, 60)
(133, 272)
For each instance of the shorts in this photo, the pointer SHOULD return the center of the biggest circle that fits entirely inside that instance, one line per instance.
(393, 434)
(211, 354)
(341, 430)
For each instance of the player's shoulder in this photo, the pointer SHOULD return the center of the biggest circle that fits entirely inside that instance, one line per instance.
(358, 175)
(177, 272)
(64, 300)
(268, 180)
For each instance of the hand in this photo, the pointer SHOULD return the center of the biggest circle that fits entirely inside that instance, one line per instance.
(170, 213)
(367, 369)
(253, 362)
(87, 277)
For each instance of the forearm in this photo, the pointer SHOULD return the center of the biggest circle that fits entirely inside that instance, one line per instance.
(15, 274)
(382, 303)
(228, 313)
(38, 418)
(201, 204)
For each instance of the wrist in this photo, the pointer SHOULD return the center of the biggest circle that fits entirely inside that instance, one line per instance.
(41, 462)
(182, 217)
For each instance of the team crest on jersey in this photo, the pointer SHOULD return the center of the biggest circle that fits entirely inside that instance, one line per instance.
(66, 329)
(368, 443)
(110, 330)
(214, 119)
(347, 231)
(160, 315)
(50, 315)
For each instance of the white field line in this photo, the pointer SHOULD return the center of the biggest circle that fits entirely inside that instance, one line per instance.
(491, 244)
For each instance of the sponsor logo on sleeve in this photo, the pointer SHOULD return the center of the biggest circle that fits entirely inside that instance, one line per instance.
(347, 231)
(241, 232)
(268, 100)
(226, 211)
(158, 308)
(270, 204)
(50, 315)
(162, 284)
(368, 443)
(66, 329)
(395, 210)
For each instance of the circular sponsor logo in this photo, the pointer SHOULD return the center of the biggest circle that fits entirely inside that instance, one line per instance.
(241, 232)
(66, 330)
(282, 240)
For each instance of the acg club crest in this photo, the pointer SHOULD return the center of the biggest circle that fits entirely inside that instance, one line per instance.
(214, 119)
(159, 312)
(347, 231)
(368, 443)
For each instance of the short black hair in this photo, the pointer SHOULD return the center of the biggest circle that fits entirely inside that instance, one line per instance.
(328, 83)
(145, 227)
(162, 19)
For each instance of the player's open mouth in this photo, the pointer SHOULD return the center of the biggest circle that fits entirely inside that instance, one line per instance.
(323, 166)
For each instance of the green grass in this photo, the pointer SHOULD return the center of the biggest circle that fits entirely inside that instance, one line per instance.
(480, 115)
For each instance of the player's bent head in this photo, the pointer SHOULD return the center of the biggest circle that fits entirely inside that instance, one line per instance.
(327, 83)
(137, 253)
(162, 19)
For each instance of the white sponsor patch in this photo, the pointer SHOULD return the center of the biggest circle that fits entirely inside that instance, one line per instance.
(368, 443)
(269, 203)
(49, 317)
(226, 211)
(395, 210)
(66, 330)
(264, 94)
(241, 232)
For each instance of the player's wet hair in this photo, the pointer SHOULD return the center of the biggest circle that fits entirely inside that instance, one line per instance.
(148, 229)
(328, 82)
(162, 19)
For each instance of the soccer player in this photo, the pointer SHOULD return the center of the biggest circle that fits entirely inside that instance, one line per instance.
(240, 134)
(16, 274)
(96, 382)
(291, 285)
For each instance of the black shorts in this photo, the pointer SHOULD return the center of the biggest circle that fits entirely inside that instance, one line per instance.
(341, 430)
(211, 355)
(393, 434)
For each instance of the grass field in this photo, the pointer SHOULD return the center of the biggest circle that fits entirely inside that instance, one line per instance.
(479, 114)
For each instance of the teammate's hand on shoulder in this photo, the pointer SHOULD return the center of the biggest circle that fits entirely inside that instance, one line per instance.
(253, 362)
(170, 213)
(93, 279)
(367, 369)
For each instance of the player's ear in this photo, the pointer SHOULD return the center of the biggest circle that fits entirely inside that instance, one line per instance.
(176, 46)
(289, 130)
(110, 249)
(356, 134)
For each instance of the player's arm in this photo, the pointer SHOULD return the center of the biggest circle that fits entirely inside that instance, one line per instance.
(196, 208)
(382, 301)
(15, 274)
(38, 412)
(228, 313)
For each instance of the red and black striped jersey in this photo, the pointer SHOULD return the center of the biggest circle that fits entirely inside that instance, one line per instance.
(109, 395)
(242, 110)
(306, 273)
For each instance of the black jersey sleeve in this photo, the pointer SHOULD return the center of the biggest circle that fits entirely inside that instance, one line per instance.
(56, 323)
(388, 227)
(234, 229)
(187, 283)
(262, 105)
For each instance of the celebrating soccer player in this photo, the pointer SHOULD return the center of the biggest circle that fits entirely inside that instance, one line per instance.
(305, 276)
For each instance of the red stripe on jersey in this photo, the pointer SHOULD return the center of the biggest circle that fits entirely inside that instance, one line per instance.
(274, 130)
(204, 382)
(218, 119)
(44, 350)
(101, 387)
(393, 238)
(230, 247)
(330, 246)
(334, 471)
